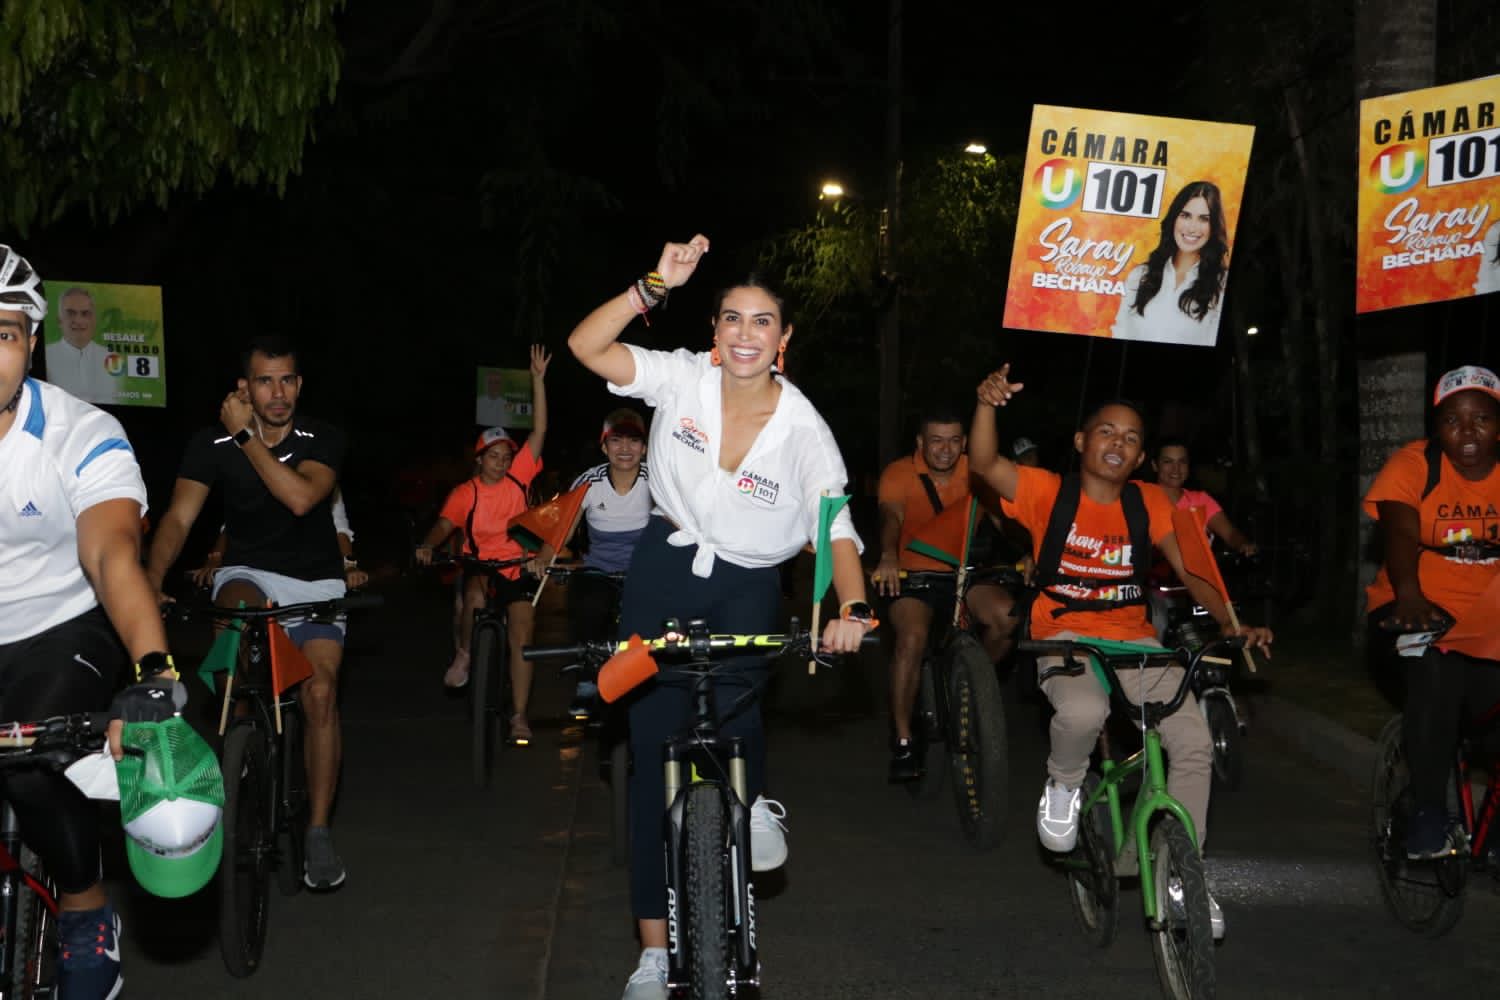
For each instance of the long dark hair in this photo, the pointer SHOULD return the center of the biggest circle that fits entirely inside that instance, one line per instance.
(1202, 295)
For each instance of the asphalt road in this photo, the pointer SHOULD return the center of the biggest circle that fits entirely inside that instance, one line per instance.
(509, 892)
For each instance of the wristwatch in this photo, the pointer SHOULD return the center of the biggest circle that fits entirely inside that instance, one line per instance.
(153, 664)
(859, 611)
(242, 437)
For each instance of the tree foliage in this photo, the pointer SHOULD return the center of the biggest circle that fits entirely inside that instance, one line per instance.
(108, 103)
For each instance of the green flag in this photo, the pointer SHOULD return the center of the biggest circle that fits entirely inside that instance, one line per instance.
(828, 509)
(222, 655)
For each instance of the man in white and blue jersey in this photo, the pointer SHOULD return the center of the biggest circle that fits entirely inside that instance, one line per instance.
(615, 512)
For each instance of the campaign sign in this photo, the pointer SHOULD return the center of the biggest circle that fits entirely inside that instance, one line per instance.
(1429, 194)
(503, 398)
(1125, 225)
(104, 342)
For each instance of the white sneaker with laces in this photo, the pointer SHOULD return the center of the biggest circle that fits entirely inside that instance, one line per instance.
(1215, 918)
(1057, 817)
(649, 980)
(767, 834)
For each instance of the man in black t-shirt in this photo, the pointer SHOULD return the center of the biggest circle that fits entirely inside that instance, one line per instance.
(277, 471)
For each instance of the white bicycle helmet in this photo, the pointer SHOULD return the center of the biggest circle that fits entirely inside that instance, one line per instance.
(21, 287)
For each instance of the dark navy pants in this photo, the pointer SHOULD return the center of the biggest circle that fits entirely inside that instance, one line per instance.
(659, 585)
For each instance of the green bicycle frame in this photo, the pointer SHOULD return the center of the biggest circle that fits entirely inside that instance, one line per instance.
(1151, 799)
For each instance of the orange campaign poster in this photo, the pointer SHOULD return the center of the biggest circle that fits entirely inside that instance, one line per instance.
(1126, 224)
(1429, 194)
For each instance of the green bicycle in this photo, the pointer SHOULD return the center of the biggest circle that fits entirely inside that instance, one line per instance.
(1174, 889)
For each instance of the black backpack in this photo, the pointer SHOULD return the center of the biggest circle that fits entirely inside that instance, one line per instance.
(1049, 573)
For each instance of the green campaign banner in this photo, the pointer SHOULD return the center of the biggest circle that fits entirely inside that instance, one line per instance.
(104, 342)
(503, 398)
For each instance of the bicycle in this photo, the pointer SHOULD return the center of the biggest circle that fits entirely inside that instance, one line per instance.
(711, 944)
(266, 802)
(489, 663)
(1427, 896)
(961, 713)
(614, 735)
(1174, 890)
(28, 896)
(1183, 623)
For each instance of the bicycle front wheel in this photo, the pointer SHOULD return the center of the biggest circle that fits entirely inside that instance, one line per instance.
(484, 682)
(704, 834)
(1182, 938)
(977, 751)
(245, 872)
(294, 802)
(33, 969)
(1414, 893)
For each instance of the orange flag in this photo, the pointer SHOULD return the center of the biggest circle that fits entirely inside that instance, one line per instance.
(946, 537)
(1477, 633)
(551, 523)
(288, 665)
(1192, 542)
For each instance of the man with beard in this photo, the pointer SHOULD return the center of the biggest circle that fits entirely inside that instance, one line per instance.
(278, 471)
(913, 491)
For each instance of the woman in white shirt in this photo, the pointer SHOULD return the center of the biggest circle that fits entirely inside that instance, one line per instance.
(1488, 279)
(1174, 297)
(739, 463)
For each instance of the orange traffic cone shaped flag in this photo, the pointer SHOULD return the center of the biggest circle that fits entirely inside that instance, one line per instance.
(551, 523)
(1192, 542)
(1477, 633)
(626, 670)
(947, 536)
(288, 665)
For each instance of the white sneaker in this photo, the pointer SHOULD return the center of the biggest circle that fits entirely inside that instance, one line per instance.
(1215, 918)
(767, 834)
(457, 674)
(1057, 817)
(649, 980)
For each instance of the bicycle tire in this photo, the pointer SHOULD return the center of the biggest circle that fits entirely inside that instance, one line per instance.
(704, 892)
(294, 802)
(1413, 891)
(244, 874)
(619, 793)
(483, 676)
(1094, 890)
(1182, 943)
(928, 731)
(978, 756)
(33, 968)
(1229, 753)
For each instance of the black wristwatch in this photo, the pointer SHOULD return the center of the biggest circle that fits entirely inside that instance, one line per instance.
(152, 665)
(243, 437)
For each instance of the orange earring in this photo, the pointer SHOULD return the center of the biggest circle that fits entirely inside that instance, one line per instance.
(781, 360)
(713, 356)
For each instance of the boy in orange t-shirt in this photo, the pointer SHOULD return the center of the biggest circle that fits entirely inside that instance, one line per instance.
(1095, 591)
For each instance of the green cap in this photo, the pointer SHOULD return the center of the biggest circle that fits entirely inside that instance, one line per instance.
(171, 803)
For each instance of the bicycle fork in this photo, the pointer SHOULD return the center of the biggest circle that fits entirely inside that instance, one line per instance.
(682, 771)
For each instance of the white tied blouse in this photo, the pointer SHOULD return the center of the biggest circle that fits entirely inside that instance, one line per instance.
(765, 511)
(1164, 322)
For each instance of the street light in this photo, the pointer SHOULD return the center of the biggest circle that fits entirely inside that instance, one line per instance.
(1252, 331)
(831, 190)
(976, 149)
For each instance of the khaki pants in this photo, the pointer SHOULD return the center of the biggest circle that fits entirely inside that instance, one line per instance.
(1080, 707)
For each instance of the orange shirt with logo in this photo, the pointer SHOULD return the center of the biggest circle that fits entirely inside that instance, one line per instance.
(900, 485)
(497, 504)
(1098, 546)
(1457, 510)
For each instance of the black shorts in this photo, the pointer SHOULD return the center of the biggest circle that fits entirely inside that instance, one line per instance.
(506, 591)
(81, 659)
(937, 592)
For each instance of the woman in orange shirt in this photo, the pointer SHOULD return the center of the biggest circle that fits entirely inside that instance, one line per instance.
(1438, 504)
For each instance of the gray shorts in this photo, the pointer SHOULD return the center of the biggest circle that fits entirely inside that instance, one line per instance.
(290, 590)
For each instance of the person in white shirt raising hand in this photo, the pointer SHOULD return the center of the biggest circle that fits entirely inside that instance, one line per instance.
(739, 463)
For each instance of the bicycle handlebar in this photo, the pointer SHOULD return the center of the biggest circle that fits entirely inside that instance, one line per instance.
(562, 573)
(461, 559)
(1155, 711)
(84, 731)
(599, 650)
(356, 601)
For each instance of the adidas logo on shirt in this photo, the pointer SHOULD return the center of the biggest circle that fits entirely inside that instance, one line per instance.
(30, 510)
